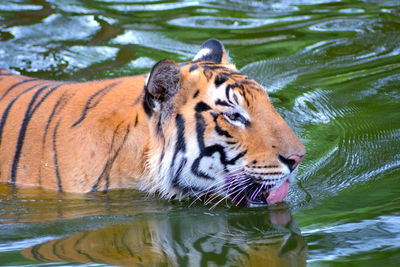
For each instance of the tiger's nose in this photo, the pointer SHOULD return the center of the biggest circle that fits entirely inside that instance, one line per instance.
(292, 161)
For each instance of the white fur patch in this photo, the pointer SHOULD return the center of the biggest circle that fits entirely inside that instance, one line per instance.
(147, 79)
(216, 93)
(202, 53)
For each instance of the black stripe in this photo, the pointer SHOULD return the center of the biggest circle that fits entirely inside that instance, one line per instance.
(236, 99)
(260, 174)
(107, 167)
(220, 79)
(252, 84)
(193, 67)
(176, 179)
(148, 103)
(100, 178)
(159, 126)
(222, 69)
(244, 94)
(213, 66)
(116, 155)
(208, 151)
(222, 103)
(22, 132)
(22, 135)
(200, 129)
(96, 99)
(60, 104)
(55, 158)
(196, 93)
(227, 89)
(136, 119)
(180, 145)
(201, 106)
(15, 85)
(238, 156)
(7, 110)
(180, 142)
(219, 130)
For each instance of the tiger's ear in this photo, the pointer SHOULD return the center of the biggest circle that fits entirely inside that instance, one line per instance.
(161, 85)
(212, 50)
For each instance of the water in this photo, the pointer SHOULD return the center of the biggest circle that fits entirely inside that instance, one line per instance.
(332, 69)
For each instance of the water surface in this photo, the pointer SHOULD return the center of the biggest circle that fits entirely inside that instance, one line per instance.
(331, 68)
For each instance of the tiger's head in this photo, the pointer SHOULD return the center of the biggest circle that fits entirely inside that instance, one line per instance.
(214, 132)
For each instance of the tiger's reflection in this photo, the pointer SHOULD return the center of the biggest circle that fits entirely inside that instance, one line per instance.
(261, 238)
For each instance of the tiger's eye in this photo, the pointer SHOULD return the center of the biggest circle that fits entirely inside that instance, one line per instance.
(234, 116)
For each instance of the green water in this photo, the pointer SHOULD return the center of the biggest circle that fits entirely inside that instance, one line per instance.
(331, 68)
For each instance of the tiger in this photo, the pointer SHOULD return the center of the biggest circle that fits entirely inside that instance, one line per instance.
(198, 129)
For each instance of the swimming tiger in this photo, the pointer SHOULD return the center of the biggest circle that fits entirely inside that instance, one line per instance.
(193, 129)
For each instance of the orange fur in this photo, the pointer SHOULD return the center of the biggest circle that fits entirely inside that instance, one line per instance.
(82, 150)
(90, 136)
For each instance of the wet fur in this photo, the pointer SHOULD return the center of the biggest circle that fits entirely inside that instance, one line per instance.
(167, 132)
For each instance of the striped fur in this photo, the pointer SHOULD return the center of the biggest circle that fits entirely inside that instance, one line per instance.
(182, 130)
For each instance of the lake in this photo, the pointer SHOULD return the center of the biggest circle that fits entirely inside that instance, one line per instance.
(331, 69)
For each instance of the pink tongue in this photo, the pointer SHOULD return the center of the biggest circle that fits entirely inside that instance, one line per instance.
(278, 194)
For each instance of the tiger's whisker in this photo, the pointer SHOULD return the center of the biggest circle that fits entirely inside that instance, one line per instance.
(238, 194)
(229, 191)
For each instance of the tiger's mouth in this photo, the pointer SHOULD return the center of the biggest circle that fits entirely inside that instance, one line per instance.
(260, 195)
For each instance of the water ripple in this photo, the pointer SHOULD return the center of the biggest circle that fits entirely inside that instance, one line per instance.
(158, 41)
(155, 7)
(381, 233)
(73, 6)
(230, 23)
(7, 5)
(80, 57)
(56, 27)
(356, 25)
